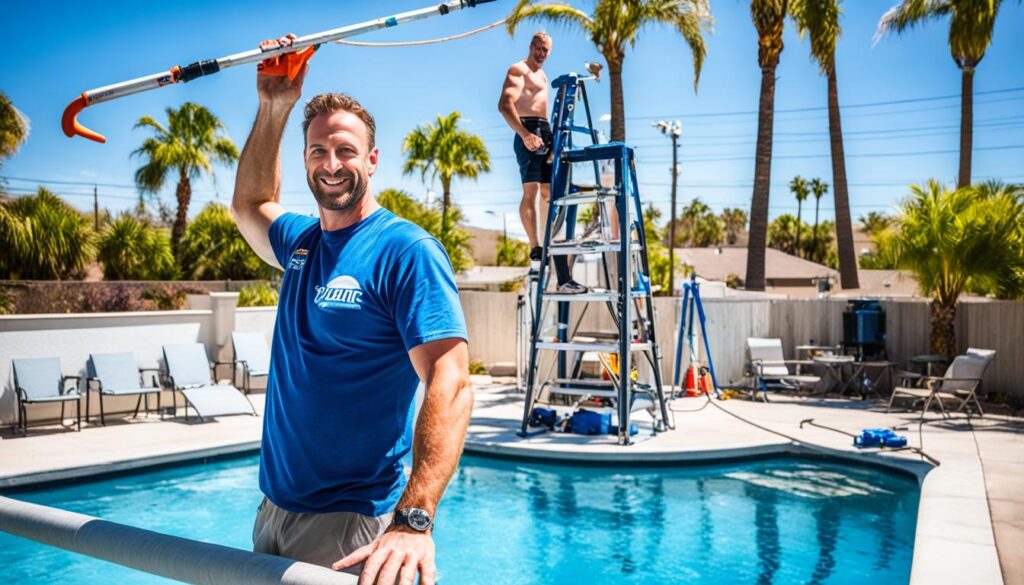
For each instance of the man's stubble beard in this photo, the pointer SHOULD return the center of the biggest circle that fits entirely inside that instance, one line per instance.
(344, 202)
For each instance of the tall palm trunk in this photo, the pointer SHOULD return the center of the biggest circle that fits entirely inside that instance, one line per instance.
(618, 102)
(844, 230)
(799, 210)
(446, 203)
(762, 180)
(966, 124)
(184, 195)
(815, 240)
(943, 335)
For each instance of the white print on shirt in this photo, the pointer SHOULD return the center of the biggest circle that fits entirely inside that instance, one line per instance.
(298, 259)
(343, 292)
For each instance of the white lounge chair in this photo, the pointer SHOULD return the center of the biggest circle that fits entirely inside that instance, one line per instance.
(117, 374)
(190, 373)
(39, 380)
(959, 384)
(771, 370)
(252, 354)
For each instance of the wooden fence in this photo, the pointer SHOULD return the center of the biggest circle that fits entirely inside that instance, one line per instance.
(997, 325)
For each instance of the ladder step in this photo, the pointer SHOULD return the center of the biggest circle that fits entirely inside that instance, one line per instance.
(584, 197)
(590, 346)
(583, 382)
(612, 150)
(609, 296)
(588, 247)
(572, 391)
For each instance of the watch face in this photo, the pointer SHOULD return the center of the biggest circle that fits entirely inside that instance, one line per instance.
(418, 519)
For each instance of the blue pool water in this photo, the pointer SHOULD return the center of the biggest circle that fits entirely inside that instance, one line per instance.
(773, 521)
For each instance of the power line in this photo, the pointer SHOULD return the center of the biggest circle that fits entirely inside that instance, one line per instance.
(825, 108)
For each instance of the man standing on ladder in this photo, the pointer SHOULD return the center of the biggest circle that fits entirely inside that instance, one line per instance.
(368, 309)
(524, 105)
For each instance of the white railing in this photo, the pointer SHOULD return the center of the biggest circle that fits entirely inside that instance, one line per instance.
(172, 557)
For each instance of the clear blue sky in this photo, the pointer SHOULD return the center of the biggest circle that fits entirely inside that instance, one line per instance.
(71, 47)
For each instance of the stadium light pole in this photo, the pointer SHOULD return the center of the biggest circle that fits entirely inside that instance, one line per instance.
(673, 131)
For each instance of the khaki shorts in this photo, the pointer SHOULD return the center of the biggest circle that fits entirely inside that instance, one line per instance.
(319, 539)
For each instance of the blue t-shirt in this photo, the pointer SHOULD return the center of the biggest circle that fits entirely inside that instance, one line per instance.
(340, 395)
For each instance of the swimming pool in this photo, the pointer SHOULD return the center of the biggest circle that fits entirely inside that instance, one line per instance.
(770, 521)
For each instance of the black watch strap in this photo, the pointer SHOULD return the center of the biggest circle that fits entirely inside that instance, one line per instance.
(415, 518)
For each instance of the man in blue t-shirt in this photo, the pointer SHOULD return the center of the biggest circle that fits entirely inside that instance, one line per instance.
(368, 309)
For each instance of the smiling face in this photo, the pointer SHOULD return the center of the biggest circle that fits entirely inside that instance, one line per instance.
(339, 160)
(540, 48)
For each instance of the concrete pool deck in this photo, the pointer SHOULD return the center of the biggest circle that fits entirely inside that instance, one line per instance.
(971, 514)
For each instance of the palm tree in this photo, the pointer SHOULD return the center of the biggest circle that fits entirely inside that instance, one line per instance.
(782, 233)
(959, 240)
(874, 223)
(734, 221)
(698, 226)
(131, 249)
(818, 189)
(213, 249)
(614, 26)
(192, 137)
(769, 18)
(820, 20)
(42, 237)
(445, 152)
(799, 188)
(456, 241)
(14, 128)
(970, 33)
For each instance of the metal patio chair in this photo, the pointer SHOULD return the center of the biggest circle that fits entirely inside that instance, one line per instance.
(252, 354)
(959, 384)
(771, 370)
(189, 371)
(39, 381)
(117, 374)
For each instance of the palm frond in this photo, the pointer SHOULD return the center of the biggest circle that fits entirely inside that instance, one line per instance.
(910, 13)
(554, 13)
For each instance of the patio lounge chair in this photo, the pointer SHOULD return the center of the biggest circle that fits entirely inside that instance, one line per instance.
(190, 373)
(959, 383)
(37, 381)
(117, 374)
(771, 370)
(252, 354)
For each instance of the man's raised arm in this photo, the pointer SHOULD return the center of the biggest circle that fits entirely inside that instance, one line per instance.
(514, 83)
(258, 180)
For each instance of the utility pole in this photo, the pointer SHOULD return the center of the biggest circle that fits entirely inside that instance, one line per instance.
(96, 208)
(673, 131)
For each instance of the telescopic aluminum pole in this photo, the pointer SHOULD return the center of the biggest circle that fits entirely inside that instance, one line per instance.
(187, 73)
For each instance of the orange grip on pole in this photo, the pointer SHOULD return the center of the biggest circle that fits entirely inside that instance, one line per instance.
(69, 121)
(287, 65)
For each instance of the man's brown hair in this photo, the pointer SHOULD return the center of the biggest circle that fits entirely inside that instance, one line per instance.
(326, 103)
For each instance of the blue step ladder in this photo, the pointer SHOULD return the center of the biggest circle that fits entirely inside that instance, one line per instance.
(624, 272)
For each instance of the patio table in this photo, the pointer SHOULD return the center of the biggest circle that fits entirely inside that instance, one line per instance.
(886, 370)
(835, 367)
(926, 363)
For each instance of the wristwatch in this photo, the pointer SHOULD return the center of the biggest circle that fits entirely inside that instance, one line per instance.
(415, 518)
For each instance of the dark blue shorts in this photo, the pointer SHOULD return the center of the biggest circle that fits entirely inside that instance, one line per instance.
(534, 167)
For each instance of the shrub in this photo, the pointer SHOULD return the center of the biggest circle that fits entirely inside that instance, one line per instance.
(476, 367)
(165, 297)
(257, 295)
(42, 237)
(214, 249)
(132, 250)
(513, 252)
(455, 242)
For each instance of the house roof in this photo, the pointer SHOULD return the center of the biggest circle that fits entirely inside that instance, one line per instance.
(719, 263)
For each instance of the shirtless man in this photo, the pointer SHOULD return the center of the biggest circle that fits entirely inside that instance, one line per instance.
(524, 105)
